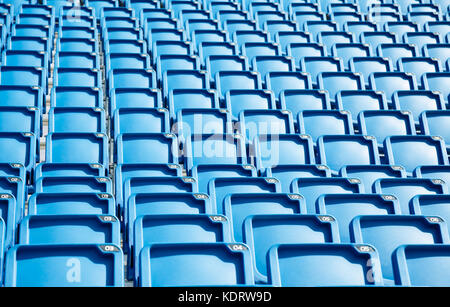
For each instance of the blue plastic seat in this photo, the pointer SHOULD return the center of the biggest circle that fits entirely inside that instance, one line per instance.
(237, 80)
(368, 65)
(331, 122)
(300, 100)
(116, 12)
(128, 61)
(262, 17)
(177, 228)
(401, 27)
(31, 31)
(65, 8)
(176, 62)
(315, 27)
(264, 231)
(187, 14)
(345, 207)
(138, 5)
(99, 5)
(268, 64)
(395, 51)
(123, 33)
(296, 265)
(232, 263)
(79, 22)
(421, 18)
(300, 50)
(215, 149)
(374, 39)
(67, 96)
(24, 58)
(440, 27)
(76, 120)
(420, 39)
(384, 123)
(368, 174)
(18, 147)
(207, 49)
(384, 17)
(36, 19)
(280, 81)
(261, 6)
(250, 50)
(431, 205)
(77, 148)
(170, 47)
(387, 233)
(134, 98)
(64, 59)
(74, 32)
(438, 82)
(204, 173)
(286, 38)
(185, 79)
(331, 38)
(273, 27)
(200, 36)
(8, 208)
(120, 22)
(191, 98)
(140, 120)
(419, 66)
(193, 25)
(77, 77)
(336, 7)
(241, 37)
(392, 82)
(69, 229)
(20, 119)
(287, 173)
(429, 150)
(220, 188)
(283, 149)
(68, 169)
(405, 189)
(347, 51)
(13, 170)
(315, 65)
(435, 123)
(216, 63)
(357, 101)
(358, 27)
(73, 185)
(178, 6)
(132, 78)
(234, 26)
(142, 148)
(24, 76)
(102, 265)
(303, 17)
(437, 51)
(336, 82)
(417, 102)
(77, 45)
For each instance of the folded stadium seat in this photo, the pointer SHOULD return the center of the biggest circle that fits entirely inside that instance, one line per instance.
(19, 147)
(36, 18)
(204, 173)
(8, 208)
(73, 32)
(176, 228)
(301, 100)
(134, 98)
(219, 188)
(368, 65)
(7, 7)
(187, 14)
(330, 38)
(392, 82)
(191, 98)
(374, 39)
(26, 96)
(336, 82)
(250, 50)
(417, 102)
(430, 151)
(216, 6)
(77, 148)
(262, 17)
(315, 65)
(231, 262)
(65, 8)
(216, 63)
(20, 119)
(405, 189)
(68, 169)
(27, 58)
(69, 229)
(200, 36)
(102, 265)
(396, 51)
(79, 22)
(194, 25)
(201, 121)
(262, 232)
(273, 27)
(76, 77)
(67, 96)
(323, 265)
(420, 39)
(151, 24)
(249, 36)
(434, 123)
(331, 122)
(2, 247)
(140, 120)
(440, 27)
(411, 261)
(302, 18)
(116, 12)
(132, 78)
(127, 61)
(434, 172)
(125, 33)
(237, 80)
(176, 62)
(431, 205)
(13, 170)
(384, 123)
(64, 119)
(315, 27)
(98, 5)
(400, 28)
(286, 38)
(384, 17)
(336, 7)
(280, 81)
(233, 26)
(254, 7)
(207, 49)
(344, 17)
(438, 51)
(154, 13)
(346, 207)
(368, 174)
(387, 233)
(184, 79)
(24, 76)
(293, 7)
(358, 27)
(77, 45)
(30, 31)
(301, 50)
(138, 5)
(422, 18)
(119, 22)
(179, 6)
(438, 82)
(347, 51)
(240, 206)
(64, 59)
(73, 184)
(125, 171)
(419, 66)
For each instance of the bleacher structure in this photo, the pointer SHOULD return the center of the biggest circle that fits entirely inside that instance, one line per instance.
(225, 143)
